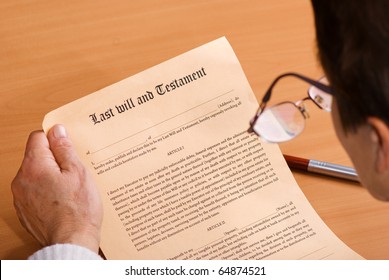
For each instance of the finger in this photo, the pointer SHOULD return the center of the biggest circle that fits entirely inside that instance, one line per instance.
(37, 145)
(62, 148)
(38, 152)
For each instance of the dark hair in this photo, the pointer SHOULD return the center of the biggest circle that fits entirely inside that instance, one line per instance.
(353, 45)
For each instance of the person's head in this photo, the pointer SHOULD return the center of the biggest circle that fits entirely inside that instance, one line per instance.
(353, 45)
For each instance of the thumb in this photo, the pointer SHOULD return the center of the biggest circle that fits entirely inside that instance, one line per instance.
(62, 148)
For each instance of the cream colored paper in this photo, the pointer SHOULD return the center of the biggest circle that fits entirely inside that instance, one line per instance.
(180, 177)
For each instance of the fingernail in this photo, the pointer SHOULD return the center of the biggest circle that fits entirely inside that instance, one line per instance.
(59, 131)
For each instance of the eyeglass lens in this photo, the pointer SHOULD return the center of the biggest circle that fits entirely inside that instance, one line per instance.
(321, 98)
(280, 123)
(284, 121)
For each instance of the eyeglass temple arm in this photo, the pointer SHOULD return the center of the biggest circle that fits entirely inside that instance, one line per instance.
(317, 84)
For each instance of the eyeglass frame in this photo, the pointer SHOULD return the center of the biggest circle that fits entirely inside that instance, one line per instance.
(267, 96)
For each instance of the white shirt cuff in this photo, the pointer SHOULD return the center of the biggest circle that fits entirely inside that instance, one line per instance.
(64, 252)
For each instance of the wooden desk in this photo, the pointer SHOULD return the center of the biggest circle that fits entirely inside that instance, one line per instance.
(53, 52)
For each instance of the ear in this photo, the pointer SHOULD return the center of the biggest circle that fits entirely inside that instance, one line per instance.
(380, 136)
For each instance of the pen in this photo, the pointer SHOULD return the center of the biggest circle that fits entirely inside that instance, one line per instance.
(321, 167)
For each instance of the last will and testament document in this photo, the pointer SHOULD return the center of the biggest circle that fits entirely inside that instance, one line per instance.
(180, 177)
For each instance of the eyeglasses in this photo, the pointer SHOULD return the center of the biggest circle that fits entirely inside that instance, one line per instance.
(284, 121)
